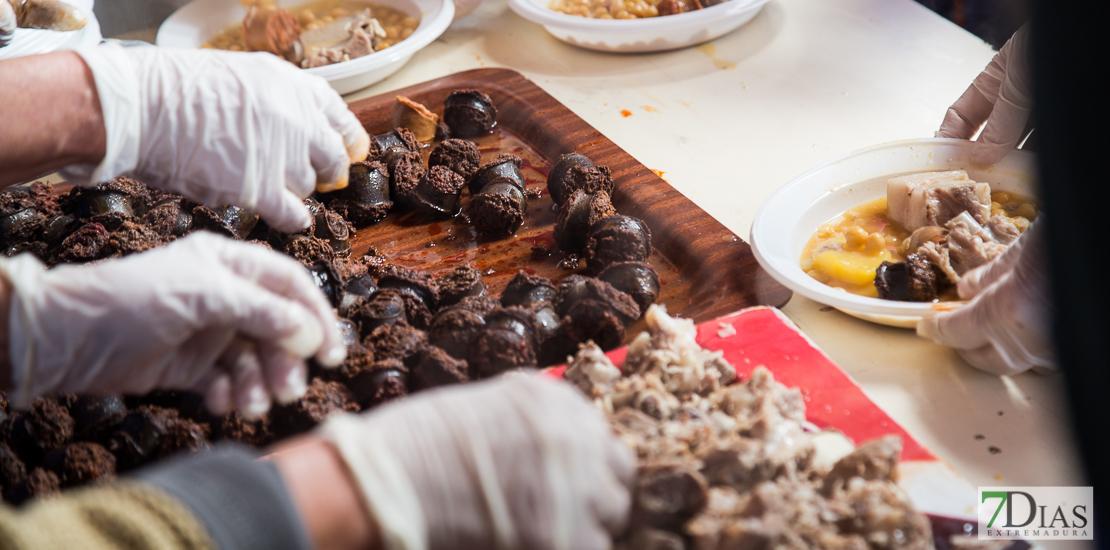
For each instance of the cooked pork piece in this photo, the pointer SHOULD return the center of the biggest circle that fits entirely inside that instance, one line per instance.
(876, 459)
(934, 198)
(666, 495)
(742, 463)
(1003, 229)
(883, 515)
(324, 56)
(669, 350)
(364, 38)
(968, 245)
(592, 371)
(342, 40)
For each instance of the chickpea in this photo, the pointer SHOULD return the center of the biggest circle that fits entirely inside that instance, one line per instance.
(1026, 211)
(1001, 197)
(855, 238)
(875, 243)
(1021, 223)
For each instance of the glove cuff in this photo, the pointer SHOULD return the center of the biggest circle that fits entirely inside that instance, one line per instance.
(25, 275)
(117, 82)
(382, 480)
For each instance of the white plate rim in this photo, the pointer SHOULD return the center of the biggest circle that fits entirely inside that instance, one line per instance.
(541, 14)
(423, 35)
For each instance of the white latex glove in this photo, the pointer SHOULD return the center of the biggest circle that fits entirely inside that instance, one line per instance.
(1001, 96)
(246, 129)
(520, 462)
(174, 317)
(1005, 329)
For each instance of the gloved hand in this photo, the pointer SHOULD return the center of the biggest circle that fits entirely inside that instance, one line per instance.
(1005, 329)
(1001, 96)
(246, 129)
(520, 462)
(38, 14)
(175, 317)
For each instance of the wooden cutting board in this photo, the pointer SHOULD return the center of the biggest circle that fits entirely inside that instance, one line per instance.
(706, 270)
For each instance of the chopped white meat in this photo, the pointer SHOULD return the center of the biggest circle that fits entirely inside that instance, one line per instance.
(934, 198)
(937, 254)
(323, 56)
(592, 371)
(364, 39)
(971, 245)
(342, 40)
(725, 330)
(1003, 229)
(669, 349)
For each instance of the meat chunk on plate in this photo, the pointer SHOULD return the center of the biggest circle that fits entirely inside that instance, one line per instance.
(934, 198)
(910, 281)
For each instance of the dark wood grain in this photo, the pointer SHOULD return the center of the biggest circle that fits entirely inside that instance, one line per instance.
(707, 271)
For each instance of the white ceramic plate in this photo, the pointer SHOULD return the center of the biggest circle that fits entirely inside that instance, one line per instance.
(200, 20)
(790, 217)
(35, 41)
(640, 35)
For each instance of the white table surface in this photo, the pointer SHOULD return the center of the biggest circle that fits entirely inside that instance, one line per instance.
(731, 121)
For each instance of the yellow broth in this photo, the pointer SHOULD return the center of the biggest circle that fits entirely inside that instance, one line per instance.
(397, 24)
(845, 251)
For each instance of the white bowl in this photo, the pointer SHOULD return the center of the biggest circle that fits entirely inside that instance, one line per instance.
(35, 41)
(200, 20)
(792, 215)
(651, 34)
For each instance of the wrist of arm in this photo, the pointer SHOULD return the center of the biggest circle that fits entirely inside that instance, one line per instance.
(325, 495)
(52, 116)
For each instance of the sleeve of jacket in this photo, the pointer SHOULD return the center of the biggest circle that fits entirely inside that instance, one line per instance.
(223, 500)
(126, 515)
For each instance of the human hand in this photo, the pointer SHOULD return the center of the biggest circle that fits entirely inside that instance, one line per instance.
(246, 129)
(229, 319)
(1001, 96)
(1005, 328)
(516, 462)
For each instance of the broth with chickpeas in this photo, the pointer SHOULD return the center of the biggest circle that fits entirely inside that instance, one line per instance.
(397, 24)
(845, 251)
